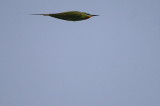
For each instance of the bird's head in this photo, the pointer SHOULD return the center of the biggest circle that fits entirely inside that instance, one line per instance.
(89, 15)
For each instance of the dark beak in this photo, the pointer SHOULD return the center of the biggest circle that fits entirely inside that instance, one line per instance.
(95, 15)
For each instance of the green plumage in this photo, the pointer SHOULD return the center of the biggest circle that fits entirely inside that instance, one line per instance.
(70, 15)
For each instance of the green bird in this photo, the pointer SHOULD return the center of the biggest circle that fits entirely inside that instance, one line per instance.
(70, 15)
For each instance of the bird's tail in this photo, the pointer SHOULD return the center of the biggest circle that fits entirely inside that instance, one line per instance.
(41, 14)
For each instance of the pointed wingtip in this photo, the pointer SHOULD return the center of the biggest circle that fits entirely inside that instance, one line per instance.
(41, 14)
(36, 14)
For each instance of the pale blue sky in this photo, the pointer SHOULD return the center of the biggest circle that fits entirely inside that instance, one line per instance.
(109, 60)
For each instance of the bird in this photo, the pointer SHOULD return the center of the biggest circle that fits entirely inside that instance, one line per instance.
(70, 15)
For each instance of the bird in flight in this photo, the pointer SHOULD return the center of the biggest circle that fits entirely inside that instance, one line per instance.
(70, 15)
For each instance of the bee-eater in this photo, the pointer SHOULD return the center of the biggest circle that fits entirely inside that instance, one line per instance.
(70, 15)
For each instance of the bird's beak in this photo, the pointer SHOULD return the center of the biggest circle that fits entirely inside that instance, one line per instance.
(89, 16)
(95, 15)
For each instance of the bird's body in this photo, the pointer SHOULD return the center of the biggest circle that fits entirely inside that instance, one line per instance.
(70, 15)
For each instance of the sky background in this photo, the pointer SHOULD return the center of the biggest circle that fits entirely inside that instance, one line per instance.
(109, 60)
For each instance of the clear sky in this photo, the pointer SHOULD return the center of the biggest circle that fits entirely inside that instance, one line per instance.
(109, 60)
